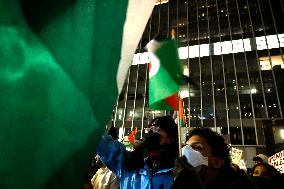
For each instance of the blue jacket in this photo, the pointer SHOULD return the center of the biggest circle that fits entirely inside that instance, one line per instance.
(112, 154)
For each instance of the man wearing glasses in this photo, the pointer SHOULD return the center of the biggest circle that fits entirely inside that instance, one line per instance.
(151, 164)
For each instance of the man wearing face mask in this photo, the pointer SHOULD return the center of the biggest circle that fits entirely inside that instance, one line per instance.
(151, 164)
(206, 164)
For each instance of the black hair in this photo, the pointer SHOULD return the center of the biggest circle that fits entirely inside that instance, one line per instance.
(273, 173)
(216, 142)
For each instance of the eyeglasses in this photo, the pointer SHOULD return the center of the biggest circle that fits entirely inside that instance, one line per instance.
(152, 128)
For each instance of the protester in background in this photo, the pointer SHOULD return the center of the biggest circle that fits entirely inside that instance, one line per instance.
(260, 158)
(206, 164)
(91, 172)
(104, 178)
(266, 176)
(151, 163)
(96, 164)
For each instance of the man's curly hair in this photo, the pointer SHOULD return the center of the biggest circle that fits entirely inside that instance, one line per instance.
(216, 142)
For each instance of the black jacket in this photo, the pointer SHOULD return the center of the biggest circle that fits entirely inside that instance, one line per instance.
(186, 177)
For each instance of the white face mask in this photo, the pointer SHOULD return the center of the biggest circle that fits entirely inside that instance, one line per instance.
(194, 157)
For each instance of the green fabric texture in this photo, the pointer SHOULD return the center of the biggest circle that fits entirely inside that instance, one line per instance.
(58, 63)
(166, 82)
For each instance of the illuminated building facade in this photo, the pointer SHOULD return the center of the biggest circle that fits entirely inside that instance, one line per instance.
(234, 50)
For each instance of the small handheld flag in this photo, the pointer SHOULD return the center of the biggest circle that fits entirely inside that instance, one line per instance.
(165, 74)
(131, 136)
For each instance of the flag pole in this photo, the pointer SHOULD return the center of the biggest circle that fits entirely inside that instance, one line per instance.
(173, 35)
(179, 126)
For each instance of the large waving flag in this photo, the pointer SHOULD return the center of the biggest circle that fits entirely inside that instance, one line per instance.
(165, 75)
(62, 66)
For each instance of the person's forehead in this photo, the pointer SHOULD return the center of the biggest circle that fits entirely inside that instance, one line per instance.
(195, 139)
(260, 167)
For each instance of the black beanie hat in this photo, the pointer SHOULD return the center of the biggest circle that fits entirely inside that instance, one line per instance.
(168, 124)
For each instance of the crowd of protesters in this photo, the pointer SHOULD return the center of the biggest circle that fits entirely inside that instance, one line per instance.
(155, 162)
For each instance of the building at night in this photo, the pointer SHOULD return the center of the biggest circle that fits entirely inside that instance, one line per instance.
(233, 49)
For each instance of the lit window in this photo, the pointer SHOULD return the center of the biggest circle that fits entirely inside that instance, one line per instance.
(253, 91)
(260, 43)
(272, 41)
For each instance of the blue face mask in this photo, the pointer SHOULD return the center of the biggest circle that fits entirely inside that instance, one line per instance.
(194, 157)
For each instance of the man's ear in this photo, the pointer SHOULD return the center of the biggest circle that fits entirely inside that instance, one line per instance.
(217, 162)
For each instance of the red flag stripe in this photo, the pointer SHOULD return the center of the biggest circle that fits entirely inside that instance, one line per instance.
(172, 101)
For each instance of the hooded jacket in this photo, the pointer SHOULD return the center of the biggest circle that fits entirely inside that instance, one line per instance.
(112, 154)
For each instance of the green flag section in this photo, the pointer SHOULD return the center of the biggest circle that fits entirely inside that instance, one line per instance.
(165, 75)
(62, 66)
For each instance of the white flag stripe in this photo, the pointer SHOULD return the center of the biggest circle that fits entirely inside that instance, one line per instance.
(155, 64)
(138, 12)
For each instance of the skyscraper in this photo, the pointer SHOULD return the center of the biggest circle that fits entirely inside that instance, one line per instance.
(234, 50)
